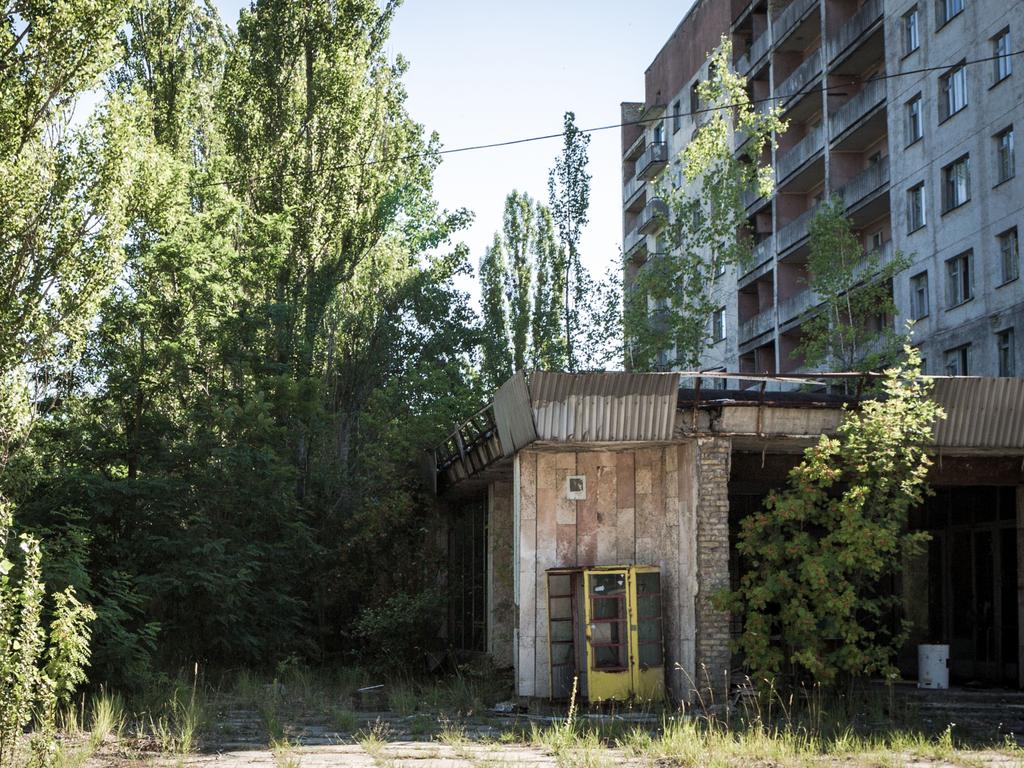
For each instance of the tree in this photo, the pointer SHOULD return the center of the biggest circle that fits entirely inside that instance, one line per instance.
(62, 192)
(569, 199)
(496, 341)
(669, 302)
(813, 598)
(547, 332)
(852, 329)
(520, 238)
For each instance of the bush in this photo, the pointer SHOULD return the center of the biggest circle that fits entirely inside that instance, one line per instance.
(401, 629)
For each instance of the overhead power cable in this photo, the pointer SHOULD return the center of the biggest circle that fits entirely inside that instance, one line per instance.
(641, 121)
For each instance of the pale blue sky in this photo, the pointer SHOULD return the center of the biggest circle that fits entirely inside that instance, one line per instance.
(484, 71)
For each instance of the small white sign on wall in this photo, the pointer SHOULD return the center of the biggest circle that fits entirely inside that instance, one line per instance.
(576, 487)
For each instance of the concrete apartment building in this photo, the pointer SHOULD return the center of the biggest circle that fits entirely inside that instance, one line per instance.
(888, 108)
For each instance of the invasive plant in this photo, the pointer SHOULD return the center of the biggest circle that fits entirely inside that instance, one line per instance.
(672, 296)
(812, 598)
(852, 330)
(39, 667)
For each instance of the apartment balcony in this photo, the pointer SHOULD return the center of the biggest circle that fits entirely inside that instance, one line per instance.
(797, 83)
(762, 252)
(757, 325)
(800, 154)
(749, 198)
(632, 193)
(797, 305)
(795, 231)
(791, 15)
(757, 51)
(865, 184)
(850, 114)
(652, 161)
(653, 216)
(854, 30)
(636, 147)
(634, 244)
(885, 256)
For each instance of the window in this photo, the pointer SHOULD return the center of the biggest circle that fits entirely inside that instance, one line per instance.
(952, 91)
(947, 9)
(957, 361)
(915, 121)
(959, 279)
(956, 184)
(911, 41)
(1006, 352)
(659, 132)
(677, 117)
(915, 208)
(919, 296)
(695, 99)
(877, 240)
(1009, 255)
(1005, 166)
(718, 324)
(1002, 63)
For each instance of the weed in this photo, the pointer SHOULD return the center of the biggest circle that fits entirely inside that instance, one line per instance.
(402, 698)
(282, 750)
(343, 719)
(107, 718)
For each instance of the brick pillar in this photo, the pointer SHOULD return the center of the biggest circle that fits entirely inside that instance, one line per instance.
(712, 636)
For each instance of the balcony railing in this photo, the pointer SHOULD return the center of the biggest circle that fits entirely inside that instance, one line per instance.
(796, 230)
(870, 96)
(796, 305)
(653, 216)
(851, 31)
(762, 252)
(749, 196)
(790, 17)
(631, 187)
(797, 82)
(800, 153)
(760, 323)
(757, 51)
(864, 183)
(634, 242)
(884, 254)
(654, 158)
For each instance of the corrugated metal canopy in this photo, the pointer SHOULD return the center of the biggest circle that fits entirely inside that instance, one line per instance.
(604, 407)
(980, 413)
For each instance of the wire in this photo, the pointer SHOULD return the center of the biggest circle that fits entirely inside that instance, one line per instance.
(596, 129)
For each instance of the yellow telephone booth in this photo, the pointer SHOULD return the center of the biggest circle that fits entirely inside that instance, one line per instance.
(605, 631)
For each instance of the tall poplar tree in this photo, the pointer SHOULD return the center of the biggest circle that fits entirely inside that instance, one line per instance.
(519, 238)
(569, 199)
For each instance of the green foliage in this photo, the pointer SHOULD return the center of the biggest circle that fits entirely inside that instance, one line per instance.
(40, 667)
(852, 330)
(813, 596)
(401, 629)
(671, 298)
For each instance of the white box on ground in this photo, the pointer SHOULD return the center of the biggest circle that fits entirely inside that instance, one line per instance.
(933, 666)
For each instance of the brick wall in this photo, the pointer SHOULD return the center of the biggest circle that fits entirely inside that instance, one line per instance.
(712, 636)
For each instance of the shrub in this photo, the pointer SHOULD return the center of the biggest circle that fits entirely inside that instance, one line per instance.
(401, 629)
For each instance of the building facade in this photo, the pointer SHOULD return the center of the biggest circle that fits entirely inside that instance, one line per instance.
(904, 110)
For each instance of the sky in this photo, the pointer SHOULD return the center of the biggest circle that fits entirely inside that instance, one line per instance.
(483, 71)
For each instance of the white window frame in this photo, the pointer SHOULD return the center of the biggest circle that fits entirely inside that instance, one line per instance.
(718, 326)
(919, 296)
(957, 360)
(1006, 353)
(948, 10)
(956, 183)
(911, 31)
(1009, 255)
(953, 91)
(916, 218)
(1005, 160)
(959, 279)
(915, 119)
(1002, 64)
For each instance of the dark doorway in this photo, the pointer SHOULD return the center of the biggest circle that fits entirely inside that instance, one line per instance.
(972, 581)
(467, 577)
